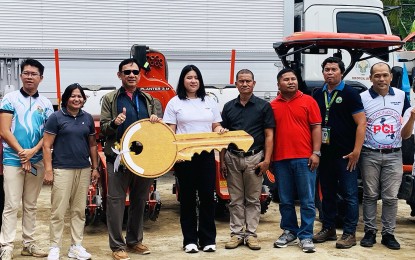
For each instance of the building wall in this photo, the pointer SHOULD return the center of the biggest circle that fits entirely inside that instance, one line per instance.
(166, 25)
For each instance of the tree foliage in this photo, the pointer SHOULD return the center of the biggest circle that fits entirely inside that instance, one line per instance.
(401, 19)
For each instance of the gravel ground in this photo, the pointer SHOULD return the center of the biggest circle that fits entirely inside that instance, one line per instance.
(164, 236)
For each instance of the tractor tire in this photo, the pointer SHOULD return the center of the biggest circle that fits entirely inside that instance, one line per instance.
(221, 209)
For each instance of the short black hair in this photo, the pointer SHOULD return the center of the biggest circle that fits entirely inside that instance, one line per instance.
(127, 61)
(334, 60)
(33, 63)
(283, 71)
(68, 92)
(244, 71)
(181, 90)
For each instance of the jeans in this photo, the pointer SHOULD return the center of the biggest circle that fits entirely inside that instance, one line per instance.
(335, 178)
(295, 177)
(382, 175)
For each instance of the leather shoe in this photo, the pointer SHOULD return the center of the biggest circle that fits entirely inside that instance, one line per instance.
(325, 235)
(346, 241)
(253, 243)
(369, 239)
(234, 242)
(390, 242)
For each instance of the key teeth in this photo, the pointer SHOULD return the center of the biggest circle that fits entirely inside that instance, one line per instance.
(187, 153)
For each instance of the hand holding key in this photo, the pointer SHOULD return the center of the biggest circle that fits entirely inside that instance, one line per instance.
(151, 149)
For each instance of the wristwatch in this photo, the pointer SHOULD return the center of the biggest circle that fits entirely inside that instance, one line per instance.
(318, 153)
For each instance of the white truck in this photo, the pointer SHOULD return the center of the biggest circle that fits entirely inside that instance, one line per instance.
(94, 36)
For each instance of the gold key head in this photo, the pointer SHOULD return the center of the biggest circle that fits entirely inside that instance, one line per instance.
(151, 149)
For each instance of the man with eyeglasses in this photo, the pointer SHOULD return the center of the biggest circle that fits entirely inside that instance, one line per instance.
(23, 114)
(121, 108)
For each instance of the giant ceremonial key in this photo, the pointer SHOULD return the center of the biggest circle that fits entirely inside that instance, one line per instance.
(151, 149)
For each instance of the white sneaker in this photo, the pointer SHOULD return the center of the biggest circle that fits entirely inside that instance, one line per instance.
(54, 253)
(191, 248)
(209, 248)
(6, 254)
(78, 252)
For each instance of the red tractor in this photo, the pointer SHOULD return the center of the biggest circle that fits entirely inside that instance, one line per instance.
(153, 80)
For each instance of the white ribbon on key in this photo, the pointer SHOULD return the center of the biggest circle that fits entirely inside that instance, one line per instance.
(118, 158)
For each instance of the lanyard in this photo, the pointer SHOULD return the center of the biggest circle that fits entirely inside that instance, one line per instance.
(138, 105)
(328, 105)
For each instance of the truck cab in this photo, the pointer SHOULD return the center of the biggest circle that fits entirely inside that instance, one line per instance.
(354, 16)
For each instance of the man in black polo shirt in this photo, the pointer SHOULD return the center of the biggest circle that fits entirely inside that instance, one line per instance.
(343, 133)
(243, 171)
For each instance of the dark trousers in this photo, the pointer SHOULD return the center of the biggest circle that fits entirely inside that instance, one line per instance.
(197, 175)
(118, 184)
(334, 178)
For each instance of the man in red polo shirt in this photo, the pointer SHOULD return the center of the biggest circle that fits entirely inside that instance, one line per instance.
(297, 156)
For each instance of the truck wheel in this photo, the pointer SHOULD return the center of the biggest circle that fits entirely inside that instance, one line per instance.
(265, 204)
(220, 207)
(408, 149)
(317, 201)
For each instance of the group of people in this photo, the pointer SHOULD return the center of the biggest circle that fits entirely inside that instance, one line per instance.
(341, 132)
(361, 132)
(337, 131)
(30, 130)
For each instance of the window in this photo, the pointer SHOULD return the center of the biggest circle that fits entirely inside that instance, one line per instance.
(364, 23)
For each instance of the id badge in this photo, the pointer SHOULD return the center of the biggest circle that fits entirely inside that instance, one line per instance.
(325, 135)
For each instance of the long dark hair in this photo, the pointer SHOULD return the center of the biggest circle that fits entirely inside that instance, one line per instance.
(68, 92)
(181, 90)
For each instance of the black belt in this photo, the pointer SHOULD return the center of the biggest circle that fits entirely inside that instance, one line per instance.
(245, 154)
(392, 150)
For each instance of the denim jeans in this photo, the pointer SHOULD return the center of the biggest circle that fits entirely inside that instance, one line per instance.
(295, 177)
(335, 178)
(381, 175)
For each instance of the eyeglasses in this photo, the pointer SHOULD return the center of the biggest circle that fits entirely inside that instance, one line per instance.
(128, 72)
(28, 74)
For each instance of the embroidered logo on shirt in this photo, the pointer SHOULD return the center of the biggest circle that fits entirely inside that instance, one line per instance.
(339, 100)
(39, 109)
